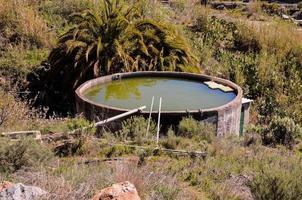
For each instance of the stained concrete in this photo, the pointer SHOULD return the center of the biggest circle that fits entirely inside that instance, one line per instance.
(226, 117)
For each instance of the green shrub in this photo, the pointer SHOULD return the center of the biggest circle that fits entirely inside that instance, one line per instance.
(110, 37)
(282, 131)
(179, 5)
(171, 141)
(135, 129)
(189, 127)
(167, 192)
(276, 184)
(300, 5)
(245, 40)
(77, 130)
(81, 125)
(117, 151)
(24, 153)
(252, 135)
(271, 8)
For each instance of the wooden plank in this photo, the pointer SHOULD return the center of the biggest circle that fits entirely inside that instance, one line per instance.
(214, 85)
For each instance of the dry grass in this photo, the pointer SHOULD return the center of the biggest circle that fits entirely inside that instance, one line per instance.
(71, 181)
(19, 117)
(23, 24)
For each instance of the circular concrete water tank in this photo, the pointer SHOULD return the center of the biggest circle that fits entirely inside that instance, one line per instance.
(225, 116)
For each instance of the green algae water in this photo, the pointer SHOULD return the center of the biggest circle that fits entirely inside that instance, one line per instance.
(177, 94)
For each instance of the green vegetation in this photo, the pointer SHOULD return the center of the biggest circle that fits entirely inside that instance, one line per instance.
(191, 128)
(133, 129)
(111, 37)
(230, 169)
(300, 5)
(264, 60)
(22, 154)
(48, 48)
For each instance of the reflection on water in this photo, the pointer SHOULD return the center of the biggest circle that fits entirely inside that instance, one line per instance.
(177, 94)
(128, 88)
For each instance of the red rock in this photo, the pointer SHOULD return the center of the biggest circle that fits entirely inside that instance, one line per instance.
(4, 185)
(119, 191)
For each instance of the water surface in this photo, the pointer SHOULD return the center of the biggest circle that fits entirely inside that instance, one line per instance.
(177, 94)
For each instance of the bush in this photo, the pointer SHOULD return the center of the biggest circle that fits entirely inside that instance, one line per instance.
(117, 151)
(167, 192)
(135, 129)
(81, 129)
(300, 5)
(282, 131)
(276, 184)
(246, 40)
(189, 127)
(24, 153)
(271, 8)
(171, 141)
(252, 135)
(21, 23)
(80, 124)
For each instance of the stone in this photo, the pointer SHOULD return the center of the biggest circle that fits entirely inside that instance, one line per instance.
(220, 7)
(119, 191)
(2, 80)
(4, 185)
(297, 15)
(19, 191)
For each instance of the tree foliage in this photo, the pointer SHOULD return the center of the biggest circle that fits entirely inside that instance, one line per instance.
(113, 37)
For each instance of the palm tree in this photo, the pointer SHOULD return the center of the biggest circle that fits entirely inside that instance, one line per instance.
(113, 37)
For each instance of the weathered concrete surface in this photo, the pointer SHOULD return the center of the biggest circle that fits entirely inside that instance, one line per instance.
(21, 134)
(228, 115)
(229, 119)
(20, 192)
(246, 104)
(118, 191)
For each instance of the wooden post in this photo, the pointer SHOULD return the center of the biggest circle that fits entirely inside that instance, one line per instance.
(119, 116)
(158, 122)
(149, 120)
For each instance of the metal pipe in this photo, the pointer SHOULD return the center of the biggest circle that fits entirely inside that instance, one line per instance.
(119, 116)
(158, 122)
(149, 120)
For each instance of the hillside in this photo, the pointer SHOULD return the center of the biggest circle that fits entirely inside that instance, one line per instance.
(50, 47)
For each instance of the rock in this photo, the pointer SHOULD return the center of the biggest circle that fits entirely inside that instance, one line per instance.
(4, 185)
(20, 192)
(220, 7)
(223, 5)
(297, 15)
(119, 191)
(2, 80)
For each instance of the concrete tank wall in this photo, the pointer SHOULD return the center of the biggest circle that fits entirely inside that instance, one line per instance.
(226, 117)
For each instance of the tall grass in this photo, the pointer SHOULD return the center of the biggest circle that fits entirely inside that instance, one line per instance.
(23, 24)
